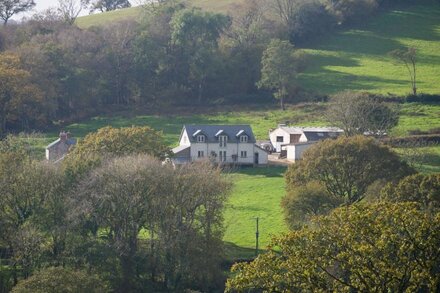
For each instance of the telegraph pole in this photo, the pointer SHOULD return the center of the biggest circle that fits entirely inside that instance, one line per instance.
(257, 234)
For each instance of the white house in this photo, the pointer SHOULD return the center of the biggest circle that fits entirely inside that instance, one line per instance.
(295, 140)
(60, 147)
(226, 144)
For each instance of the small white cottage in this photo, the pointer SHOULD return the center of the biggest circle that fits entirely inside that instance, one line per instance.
(293, 141)
(226, 144)
(60, 147)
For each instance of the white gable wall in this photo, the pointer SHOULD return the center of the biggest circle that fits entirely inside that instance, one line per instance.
(295, 151)
(184, 139)
(273, 138)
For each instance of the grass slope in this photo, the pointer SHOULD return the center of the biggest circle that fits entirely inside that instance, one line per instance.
(353, 59)
(134, 13)
(257, 193)
(357, 59)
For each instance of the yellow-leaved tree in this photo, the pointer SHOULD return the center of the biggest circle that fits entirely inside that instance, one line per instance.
(21, 101)
(382, 247)
(109, 142)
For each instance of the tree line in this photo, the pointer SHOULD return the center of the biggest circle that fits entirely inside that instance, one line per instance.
(110, 218)
(173, 55)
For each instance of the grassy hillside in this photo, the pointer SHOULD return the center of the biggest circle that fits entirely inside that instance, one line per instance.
(135, 12)
(357, 59)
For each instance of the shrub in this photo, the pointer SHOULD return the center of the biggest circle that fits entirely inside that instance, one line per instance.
(421, 188)
(58, 279)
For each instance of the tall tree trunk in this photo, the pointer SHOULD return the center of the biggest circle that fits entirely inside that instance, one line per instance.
(200, 93)
(283, 107)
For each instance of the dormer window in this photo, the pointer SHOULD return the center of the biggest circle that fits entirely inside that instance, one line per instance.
(244, 138)
(222, 140)
(200, 138)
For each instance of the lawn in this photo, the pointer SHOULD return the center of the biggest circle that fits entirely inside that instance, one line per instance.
(356, 59)
(257, 193)
(261, 120)
(412, 116)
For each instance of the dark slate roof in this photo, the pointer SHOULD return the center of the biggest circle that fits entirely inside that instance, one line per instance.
(316, 135)
(210, 131)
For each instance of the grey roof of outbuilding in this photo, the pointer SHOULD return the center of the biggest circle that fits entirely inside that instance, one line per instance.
(70, 141)
(180, 148)
(315, 136)
(232, 131)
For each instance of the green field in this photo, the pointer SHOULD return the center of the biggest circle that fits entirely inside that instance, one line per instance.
(357, 59)
(257, 193)
(262, 119)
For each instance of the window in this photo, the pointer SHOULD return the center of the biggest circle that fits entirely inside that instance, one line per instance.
(222, 156)
(223, 139)
(243, 154)
(200, 138)
(200, 154)
(280, 138)
(244, 138)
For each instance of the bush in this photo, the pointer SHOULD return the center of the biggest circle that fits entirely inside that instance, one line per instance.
(58, 279)
(424, 189)
(304, 202)
(422, 98)
(413, 140)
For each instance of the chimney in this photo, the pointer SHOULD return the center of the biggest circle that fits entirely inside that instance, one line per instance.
(63, 135)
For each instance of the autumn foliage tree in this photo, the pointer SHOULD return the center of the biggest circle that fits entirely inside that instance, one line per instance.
(363, 248)
(21, 101)
(421, 188)
(113, 142)
(346, 166)
(56, 279)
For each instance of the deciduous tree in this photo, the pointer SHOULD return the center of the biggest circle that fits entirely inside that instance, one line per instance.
(21, 101)
(69, 9)
(280, 66)
(420, 188)
(9, 8)
(347, 166)
(114, 142)
(304, 202)
(107, 5)
(381, 247)
(408, 57)
(361, 113)
(56, 279)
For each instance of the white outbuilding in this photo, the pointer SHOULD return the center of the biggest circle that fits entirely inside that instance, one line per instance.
(291, 142)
